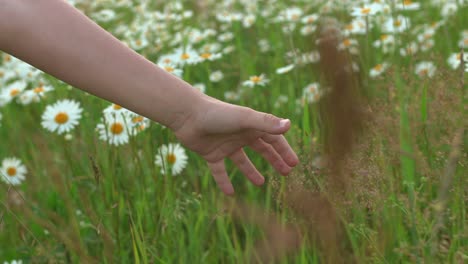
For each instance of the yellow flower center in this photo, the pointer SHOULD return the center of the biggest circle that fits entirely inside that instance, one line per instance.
(185, 56)
(7, 58)
(206, 55)
(295, 17)
(349, 27)
(116, 128)
(397, 23)
(11, 171)
(116, 107)
(14, 92)
(138, 42)
(407, 2)
(255, 79)
(383, 37)
(171, 158)
(169, 68)
(61, 118)
(378, 67)
(38, 89)
(167, 60)
(310, 20)
(365, 11)
(137, 119)
(347, 42)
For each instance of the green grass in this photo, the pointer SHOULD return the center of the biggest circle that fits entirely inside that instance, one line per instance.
(130, 213)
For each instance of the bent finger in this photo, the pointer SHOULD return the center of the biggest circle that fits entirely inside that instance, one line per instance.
(247, 168)
(218, 170)
(283, 148)
(270, 154)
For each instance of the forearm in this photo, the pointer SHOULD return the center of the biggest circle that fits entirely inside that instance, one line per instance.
(58, 39)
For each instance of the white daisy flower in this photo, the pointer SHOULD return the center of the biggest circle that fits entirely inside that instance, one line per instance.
(172, 69)
(216, 76)
(425, 69)
(285, 69)
(378, 69)
(172, 158)
(366, 10)
(255, 80)
(115, 129)
(312, 93)
(62, 116)
(200, 87)
(398, 25)
(12, 171)
(231, 96)
(455, 59)
(408, 5)
(12, 91)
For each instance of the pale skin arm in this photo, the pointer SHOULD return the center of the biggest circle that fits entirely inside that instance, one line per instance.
(56, 38)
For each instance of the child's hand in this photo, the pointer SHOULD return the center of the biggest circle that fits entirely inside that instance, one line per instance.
(218, 130)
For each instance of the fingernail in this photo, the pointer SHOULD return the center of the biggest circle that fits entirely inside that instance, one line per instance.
(284, 123)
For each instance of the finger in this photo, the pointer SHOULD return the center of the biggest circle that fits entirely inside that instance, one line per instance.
(283, 148)
(270, 154)
(247, 168)
(264, 122)
(218, 170)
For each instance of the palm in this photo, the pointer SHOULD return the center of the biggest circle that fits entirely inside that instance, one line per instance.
(224, 130)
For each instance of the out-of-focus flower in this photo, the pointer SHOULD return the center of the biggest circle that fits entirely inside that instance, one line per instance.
(255, 80)
(425, 69)
(285, 69)
(396, 25)
(12, 171)
(312, 93)
(378, 69)
(216, 76)
(172, 158)
(11, 91)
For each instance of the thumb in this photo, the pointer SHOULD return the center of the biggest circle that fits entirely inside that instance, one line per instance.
(268, 123)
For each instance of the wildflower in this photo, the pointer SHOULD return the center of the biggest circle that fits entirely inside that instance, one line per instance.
(171, 68)
(378, 70)
(357, 26)
(408, 5)
(115, 129)
(366, 10)
(200, 87)
(139, 42)
(172, 158)
(105, 15)
(309, 19)
(264, 45)
(248, 20)
(409, 50)
(12, 91)
(225, 37)
(285, 69)
(308, 29)
(398, 25)
(386, 42)
(231, 96)
(254, 80)
(216, 76)
(185, 56)
(62, 116)
(292, 14)
(425, 69)
(350, 45)
(312, 93)
(12, 171)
